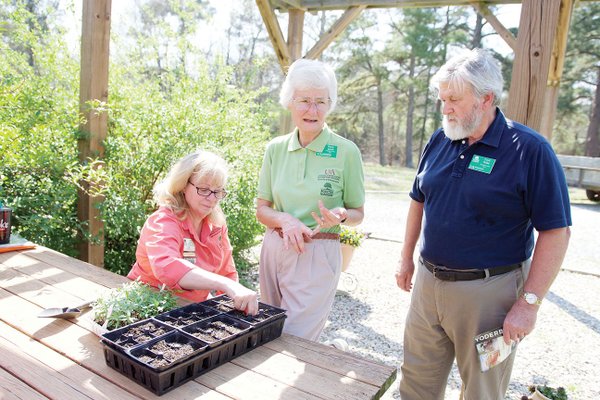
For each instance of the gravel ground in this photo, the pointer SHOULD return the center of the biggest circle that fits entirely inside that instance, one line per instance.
(564, 349)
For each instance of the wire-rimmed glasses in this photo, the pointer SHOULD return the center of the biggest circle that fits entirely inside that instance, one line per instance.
(206, 192)
(304, 103)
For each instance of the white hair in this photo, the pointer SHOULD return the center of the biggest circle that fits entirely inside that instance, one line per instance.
(306, 74)
(477, 68)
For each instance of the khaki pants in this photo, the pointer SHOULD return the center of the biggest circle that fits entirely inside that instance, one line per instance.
(303, 284)
(443, 319)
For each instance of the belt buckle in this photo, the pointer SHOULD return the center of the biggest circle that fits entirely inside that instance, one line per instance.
(443, 274)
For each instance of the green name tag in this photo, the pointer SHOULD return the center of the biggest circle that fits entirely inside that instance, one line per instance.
(482, 164)
(329, 151)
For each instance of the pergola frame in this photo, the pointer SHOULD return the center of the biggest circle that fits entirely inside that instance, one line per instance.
(539, 58)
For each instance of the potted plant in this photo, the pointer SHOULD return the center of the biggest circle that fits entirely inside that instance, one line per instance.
(543, 392)
(130, 303)
(350, 239)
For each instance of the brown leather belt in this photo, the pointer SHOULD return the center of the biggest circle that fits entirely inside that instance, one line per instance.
(316, 236)
(448, 274)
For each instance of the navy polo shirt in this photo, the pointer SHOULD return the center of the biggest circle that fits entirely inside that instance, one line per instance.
(481, 202)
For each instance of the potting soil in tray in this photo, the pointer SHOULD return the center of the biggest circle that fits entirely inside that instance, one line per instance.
(135, 334)
(187, 315)
(265, 314)
(172, 348)
(217, 329)
(167, 350)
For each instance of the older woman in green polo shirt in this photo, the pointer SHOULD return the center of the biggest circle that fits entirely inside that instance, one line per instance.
(311, 181)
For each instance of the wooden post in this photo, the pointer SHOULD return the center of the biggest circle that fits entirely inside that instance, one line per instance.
(95, 37)
(294, 46)
(535, 45)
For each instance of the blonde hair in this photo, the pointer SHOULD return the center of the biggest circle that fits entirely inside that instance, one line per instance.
(202, 164)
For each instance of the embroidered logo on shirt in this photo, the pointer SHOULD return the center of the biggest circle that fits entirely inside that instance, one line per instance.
(329, 151)
(482, 164)
(329, 175)
(327, 190)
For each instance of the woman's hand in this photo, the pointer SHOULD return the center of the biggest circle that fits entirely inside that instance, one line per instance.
(295, 233)
(329, 218)
(244, 299)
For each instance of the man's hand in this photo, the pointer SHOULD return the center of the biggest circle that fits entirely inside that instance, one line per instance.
(519, 321)
(404, 274)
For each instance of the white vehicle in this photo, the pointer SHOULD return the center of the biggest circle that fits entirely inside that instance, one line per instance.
(583, 172)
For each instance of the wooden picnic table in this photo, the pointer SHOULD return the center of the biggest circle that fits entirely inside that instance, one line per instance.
(45, 358)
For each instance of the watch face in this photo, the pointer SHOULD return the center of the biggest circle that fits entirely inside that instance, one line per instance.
(531, 298)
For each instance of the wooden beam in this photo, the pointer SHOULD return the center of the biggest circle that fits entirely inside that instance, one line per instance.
(295, 33)
(535, 43)
(504, 33)
(275, 34)
(95, 38)
(319, 5)
(557, 62)
(336, 29)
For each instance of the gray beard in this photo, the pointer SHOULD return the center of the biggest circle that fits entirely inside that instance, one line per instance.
(463, 129)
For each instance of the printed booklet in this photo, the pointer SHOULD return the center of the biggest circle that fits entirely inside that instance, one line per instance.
(491, 348)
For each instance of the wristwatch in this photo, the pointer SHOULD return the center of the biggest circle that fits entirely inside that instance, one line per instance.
(532, 298)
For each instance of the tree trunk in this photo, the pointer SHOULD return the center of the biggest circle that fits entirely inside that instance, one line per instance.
(410, 112)
(476, 42)
(592, 145)
(380, 123)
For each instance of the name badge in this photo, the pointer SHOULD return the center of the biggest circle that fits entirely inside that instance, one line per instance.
(189, 250)
(482, 164)
(329, 151)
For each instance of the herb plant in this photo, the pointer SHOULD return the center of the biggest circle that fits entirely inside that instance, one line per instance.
(130, 303)
(550, 392)
(351, 236)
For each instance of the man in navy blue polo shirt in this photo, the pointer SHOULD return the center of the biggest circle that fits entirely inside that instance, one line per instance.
(484, 183)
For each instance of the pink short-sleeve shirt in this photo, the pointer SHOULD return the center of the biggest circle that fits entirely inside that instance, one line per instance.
(169, 248)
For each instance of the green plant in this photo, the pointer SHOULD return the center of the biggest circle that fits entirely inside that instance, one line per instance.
(552, 393)
(351, 236)
(130, 303)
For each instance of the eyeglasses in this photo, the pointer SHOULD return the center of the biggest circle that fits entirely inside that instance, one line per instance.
(304, 103)
(206, 192)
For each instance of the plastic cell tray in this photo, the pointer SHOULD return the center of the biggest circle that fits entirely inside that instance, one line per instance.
(135, 361)
(187, 315)
(135, 334)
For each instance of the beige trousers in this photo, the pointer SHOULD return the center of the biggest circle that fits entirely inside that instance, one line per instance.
(443, 319)
(303, 284)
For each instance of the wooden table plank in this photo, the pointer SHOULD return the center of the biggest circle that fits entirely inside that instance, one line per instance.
(229, 378)
(83, 347)
(304, 376)
(12, 388)
(33, 360)
(344, 362)
(286, 368)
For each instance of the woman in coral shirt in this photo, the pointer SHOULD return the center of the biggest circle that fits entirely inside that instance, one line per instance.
(184, 244)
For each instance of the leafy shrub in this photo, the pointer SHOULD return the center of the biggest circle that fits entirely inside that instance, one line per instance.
(130, 303)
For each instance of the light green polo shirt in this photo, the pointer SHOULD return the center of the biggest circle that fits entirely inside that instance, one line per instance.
(294, 178)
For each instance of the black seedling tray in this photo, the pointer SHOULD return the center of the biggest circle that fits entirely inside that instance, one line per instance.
(222, 334)
(135, 334)
(218, 329)
(266, 313)
(187, 315)
(167, 350)
(221, 303)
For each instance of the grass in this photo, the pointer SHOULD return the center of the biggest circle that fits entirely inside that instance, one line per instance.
(390, 179)
(400, 179)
